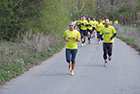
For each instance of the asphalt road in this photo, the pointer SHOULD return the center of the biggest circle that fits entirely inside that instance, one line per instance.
(122, 76)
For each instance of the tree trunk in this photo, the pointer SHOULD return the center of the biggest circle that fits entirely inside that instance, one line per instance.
(99, 9)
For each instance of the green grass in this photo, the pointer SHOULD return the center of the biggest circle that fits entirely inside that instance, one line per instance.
(129, 34)
(129, 41)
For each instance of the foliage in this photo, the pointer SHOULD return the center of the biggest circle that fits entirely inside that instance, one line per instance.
(15, 17)
(114, 9)
(9, 70)
(57, 17)
(37, 29)
(83, 7)
(26, 52)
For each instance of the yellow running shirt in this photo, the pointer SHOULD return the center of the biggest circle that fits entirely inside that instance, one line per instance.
(95, 22)
(71, 44)
(108, 32)
(110, 22)
(75, 22)
(79, 21)
(103, 22)
(99, 26)
(83, 27)
(90, 25)
(116, 22)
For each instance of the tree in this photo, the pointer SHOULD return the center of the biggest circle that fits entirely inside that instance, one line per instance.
(110, 7)
(83, 7)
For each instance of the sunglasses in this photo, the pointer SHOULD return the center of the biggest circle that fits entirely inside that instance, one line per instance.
(70, 25)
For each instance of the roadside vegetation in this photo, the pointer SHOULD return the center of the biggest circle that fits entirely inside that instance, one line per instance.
(31, 31)
(27, 51)
(131, 35)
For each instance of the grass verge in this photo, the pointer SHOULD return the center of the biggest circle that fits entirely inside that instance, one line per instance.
(27, 51)
(130, 35)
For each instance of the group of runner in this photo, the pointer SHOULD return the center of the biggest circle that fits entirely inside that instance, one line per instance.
(87, 28)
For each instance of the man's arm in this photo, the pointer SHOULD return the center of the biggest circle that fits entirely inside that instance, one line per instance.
(101, 34)
(65, 39)
(114, 31)
(101, 37)
(78, 40)
(113, 36)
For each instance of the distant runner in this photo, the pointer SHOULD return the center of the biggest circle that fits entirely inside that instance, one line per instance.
(94, 28)
(99, 26)
(90, 29)
(83, 30)
(115, 22)
(103, 21)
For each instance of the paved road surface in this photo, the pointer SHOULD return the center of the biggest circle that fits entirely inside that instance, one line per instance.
(122, 76)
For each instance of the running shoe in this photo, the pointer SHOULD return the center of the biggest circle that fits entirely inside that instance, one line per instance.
(89, 41)
(93, 35)
(69, 67)
(106, 65)
(71, 72)
(82, 44)
(109, 58)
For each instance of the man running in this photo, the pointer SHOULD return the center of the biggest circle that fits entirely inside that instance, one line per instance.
(111, 22)
(103, 21)
(71, 36)
(94, 28)
(77, 24)
(90, 29)
(95, 22)
(109, 33)
(83, 30)
(99, 25)
(115, 22)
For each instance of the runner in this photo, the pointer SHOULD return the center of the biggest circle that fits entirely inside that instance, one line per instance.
(90, 29)
(71, 36)
(94, 28)
(78, 24)
(103, 21)
(116, 22)
(99, 26)
(109, 33)
(83, 30)
(95, 22)
(111, 22)
(75, 22)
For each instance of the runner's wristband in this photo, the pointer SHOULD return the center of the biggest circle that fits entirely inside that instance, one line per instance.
(76, 39)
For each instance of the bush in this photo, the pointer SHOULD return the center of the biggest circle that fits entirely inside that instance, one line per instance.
(15, 17)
